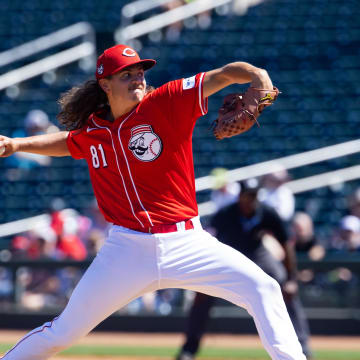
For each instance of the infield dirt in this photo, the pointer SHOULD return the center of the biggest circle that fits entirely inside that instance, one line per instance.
(175, 340)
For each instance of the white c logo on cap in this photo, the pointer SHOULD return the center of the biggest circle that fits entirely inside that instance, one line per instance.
(129, 52)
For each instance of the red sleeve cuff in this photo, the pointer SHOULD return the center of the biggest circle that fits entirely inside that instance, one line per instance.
(74, 148)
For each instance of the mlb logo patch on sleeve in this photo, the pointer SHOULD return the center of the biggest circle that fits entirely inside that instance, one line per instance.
(189, 83)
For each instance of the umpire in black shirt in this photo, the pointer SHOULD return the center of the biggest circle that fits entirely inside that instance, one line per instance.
(242, 225)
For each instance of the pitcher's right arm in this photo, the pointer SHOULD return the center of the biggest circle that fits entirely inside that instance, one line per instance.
(53, 144)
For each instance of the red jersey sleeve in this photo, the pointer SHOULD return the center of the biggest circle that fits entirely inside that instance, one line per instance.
(73, 142)
(182, 99)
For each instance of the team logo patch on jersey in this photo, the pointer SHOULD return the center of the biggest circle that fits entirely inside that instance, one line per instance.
(189, 83)
(144, 143)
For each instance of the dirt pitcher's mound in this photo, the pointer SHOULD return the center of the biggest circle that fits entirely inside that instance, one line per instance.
(175, 340)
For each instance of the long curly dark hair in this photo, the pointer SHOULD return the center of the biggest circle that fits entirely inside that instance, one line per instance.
(78, 103)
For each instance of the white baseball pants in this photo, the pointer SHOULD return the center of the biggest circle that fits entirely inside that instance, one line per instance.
(131, 263)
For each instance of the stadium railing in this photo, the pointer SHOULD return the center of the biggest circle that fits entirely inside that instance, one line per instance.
(128, 33)
(86, 49)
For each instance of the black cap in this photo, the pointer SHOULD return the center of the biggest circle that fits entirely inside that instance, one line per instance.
(251, 185)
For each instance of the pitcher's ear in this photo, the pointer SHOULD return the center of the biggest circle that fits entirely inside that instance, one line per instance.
(104, 84)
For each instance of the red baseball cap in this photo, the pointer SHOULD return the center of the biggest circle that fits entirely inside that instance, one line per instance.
(117, 58)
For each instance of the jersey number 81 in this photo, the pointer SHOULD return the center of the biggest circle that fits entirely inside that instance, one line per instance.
(95, 156)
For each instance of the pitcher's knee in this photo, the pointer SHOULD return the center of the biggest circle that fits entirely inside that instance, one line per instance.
(267, 285)
(52, 343)
(55, 338)
(63, 341)
(42, 342)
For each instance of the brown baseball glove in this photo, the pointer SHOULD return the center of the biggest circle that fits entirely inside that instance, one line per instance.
(239, 112)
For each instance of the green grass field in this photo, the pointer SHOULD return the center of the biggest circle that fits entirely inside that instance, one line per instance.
(209, 353)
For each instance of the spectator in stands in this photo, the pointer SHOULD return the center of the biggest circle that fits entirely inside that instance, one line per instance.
(276, 194)
(224, 192)
(346, 240)
(173, 31)
(304, 237)
(64, 237)
(19, 246)
(243, 226)
(65, 224)
(59, 240)
(347, 236)
(39, 287)
(354, 203)
(71, 229)
(97, 230)
(6, 286)
(36, 122)
(306, 244)
(34, 244)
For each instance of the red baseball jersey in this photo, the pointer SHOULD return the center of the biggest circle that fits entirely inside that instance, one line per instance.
(141, 165)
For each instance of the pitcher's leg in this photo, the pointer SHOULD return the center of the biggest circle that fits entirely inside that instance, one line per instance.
(261, 295)
(276, 270)
(266, 305)
(219, 270)
(111, 281)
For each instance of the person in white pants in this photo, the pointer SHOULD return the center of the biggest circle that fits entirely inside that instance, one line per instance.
(137, 142)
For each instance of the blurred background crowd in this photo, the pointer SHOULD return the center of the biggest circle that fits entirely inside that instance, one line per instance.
(311, 51)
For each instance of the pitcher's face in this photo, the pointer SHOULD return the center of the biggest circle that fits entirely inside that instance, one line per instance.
(248, 203)
(127, 86)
